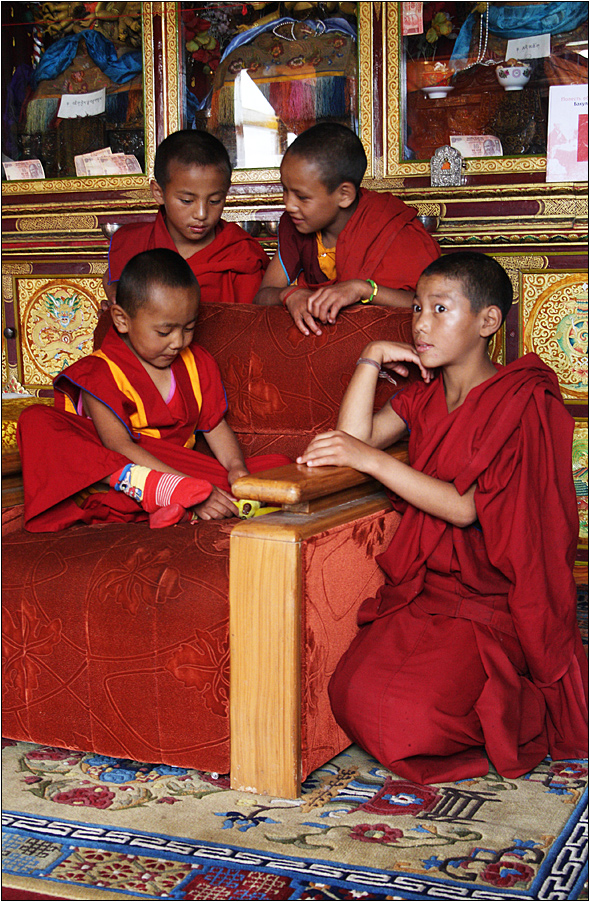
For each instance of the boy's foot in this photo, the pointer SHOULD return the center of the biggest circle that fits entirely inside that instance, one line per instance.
(154, 490)
(168, 516)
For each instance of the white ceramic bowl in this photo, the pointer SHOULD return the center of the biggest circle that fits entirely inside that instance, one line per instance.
(513, 78)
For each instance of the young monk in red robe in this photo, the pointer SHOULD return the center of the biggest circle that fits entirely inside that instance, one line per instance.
(118, 446)
(339, 243)
(192, 175)
(471, 650)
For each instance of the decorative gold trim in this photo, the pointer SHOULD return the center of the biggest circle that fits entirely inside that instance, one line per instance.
(173, 83)
(542, 318)
(365, 81)
(149, 98)
(395, 85)
(56, 223)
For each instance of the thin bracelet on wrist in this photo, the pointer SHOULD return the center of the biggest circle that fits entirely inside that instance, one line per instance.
(289, 293)
(383, 374)
(373, 294)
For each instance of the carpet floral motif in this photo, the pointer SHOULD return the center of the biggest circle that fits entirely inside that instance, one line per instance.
(351, 807)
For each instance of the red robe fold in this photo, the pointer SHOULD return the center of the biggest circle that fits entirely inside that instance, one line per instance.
(229, 270)
(472, 645)
(63, 457)
(383, 240)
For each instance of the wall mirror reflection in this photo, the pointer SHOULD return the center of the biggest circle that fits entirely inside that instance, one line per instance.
(72, 90)
(258, 74)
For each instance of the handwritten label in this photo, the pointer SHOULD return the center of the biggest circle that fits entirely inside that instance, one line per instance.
(533, 47)
(73, 106)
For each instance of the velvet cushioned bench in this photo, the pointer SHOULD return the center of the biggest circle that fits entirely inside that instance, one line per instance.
(211, 646)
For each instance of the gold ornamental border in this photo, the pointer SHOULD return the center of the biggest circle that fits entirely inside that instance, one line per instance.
(396, 86)
(108, 183)
(533, 300)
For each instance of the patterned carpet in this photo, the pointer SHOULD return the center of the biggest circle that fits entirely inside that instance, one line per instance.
(79, 826)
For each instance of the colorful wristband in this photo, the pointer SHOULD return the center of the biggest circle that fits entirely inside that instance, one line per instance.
(289, 293)
(375, 288)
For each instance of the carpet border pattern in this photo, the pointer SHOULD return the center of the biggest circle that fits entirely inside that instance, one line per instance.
(561, 876)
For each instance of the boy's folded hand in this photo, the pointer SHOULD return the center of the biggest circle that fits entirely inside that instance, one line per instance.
(218, 506)
(325, 303)
(296, 304)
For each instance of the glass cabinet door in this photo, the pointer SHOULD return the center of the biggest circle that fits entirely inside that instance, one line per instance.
(478, 77)
(257, 74)
(77, 94)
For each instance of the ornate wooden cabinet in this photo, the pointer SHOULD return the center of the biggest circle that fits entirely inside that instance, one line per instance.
(369, 65)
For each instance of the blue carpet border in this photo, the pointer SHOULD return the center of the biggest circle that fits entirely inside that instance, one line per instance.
(561, 876)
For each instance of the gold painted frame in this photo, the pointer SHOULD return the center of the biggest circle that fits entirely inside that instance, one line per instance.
(174, 87)
(553, 305)
(120, 182)
(395, 85)
(44, 334)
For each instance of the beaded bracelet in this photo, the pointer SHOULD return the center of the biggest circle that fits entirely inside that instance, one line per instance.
(383, 374)
(289, 293)
(375, 288)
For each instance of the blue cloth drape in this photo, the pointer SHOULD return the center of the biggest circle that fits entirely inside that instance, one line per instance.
(523, 21)
(58, 57)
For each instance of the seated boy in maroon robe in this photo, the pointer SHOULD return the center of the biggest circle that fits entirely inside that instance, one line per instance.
(337, 241)
(192, 175)
(118, 445)
(471, 650)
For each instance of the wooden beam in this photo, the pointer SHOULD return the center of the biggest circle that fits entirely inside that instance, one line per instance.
(265, 599)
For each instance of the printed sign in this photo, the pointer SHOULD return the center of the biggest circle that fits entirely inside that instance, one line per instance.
(567, 134)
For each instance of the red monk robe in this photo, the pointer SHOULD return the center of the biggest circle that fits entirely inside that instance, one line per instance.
(63, 457)
(229, 270)
(383, 240)
(472, 643)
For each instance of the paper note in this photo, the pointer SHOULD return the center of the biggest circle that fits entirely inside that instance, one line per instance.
(477, 145)
(567, 134)
(73, 106)
(24, 169)
(412, 18)
(533, 47)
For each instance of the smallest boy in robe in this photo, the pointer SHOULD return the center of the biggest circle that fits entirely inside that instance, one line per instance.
(192, 175)
(118, 445)
(338, 243)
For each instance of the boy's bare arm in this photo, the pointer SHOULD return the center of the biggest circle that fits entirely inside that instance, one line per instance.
(225, 447)
(356, 415)
(272, 285)
(115, 436)
(435, 497)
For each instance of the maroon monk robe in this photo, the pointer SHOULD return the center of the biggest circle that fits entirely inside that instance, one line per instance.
(229, 270)
(63, 457)
(383, 240)
(472, 645)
